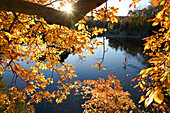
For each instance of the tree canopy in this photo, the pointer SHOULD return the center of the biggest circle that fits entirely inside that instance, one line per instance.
(35, 29)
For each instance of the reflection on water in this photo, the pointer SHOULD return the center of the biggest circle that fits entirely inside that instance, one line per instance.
(133, 47)
(115, 63)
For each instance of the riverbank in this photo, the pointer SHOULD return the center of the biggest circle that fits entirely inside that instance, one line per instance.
(123, 36)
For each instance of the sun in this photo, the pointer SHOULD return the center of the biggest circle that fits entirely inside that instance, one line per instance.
(67, 7)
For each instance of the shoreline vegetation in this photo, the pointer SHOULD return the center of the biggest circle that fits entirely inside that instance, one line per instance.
(134, 25)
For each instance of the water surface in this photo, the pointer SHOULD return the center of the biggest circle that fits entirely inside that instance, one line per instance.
(117, 50)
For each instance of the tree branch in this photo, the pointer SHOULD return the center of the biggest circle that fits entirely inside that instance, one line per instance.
(12, 24)
(52, 16)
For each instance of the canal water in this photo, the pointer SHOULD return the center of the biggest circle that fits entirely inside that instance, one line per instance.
(117, 51)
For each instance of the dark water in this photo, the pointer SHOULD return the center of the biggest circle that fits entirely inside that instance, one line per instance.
(117, 50)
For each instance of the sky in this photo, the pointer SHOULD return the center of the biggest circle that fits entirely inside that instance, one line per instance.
(124, 5)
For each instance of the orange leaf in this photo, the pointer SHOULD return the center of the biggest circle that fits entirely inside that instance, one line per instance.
(157, 3)
(153, 1)
(85, 18)
(130, 5)
(63, 97)
(134, 5)
(98, 63)
(96, 66)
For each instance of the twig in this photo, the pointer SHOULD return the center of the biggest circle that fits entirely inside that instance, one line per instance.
(104, 51)
(12, 24)
(51, 2)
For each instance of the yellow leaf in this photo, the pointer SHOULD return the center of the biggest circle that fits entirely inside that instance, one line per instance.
(158, 97)
(32, 23)
(163, 2)
(142, 71)
(136, 86)
(156, 68)
(31, 82)
(131, 111)
(75, 82)
(116, 20)
(92, 66)
(104, 68)
(143, 82)
(141, 86)
(142, 98)
(148, 92)
(144, 75)
(58, 100)
(155, 23)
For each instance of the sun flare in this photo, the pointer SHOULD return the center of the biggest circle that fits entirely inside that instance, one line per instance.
(67, 7)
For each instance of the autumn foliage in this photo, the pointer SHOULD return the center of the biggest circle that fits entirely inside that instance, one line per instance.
(105, 95)
(158, 47)
(28, 38)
